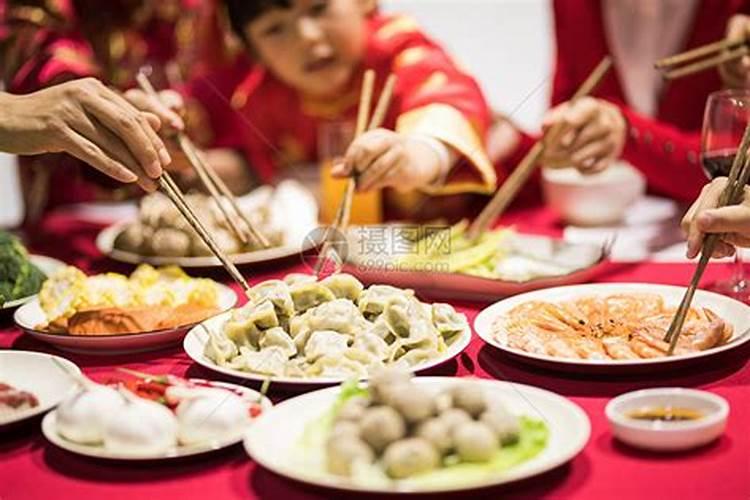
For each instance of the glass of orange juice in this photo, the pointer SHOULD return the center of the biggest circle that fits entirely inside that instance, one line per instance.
(333, 140)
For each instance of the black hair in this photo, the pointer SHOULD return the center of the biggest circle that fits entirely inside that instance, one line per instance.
(242, 12)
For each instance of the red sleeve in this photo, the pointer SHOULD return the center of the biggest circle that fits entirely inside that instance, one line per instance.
(666, 155)
(435, 97)
(36, 49)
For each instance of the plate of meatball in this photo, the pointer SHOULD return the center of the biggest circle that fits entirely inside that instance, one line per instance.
(401, 434)
(161, 236)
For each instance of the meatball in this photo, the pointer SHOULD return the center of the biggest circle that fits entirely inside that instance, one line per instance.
(504, 424)
(455, 417)
(409, 457)
(168, 242)
(132, 238)
(413, 404)
(384, 381)
(475, 442)
(437, 432)
(469, 397)
(353, 409)
(380, 426)
(345, 428)
(343, 451)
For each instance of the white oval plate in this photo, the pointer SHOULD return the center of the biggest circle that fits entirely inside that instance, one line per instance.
(49, 429)
(569, 430)
(48, 266)
(197, 337)
(39, 374)
(735, 312)
(106, 238)
(30, 315)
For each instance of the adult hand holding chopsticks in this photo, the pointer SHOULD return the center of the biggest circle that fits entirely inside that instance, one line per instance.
(383, 158)
(592, 134)
(731, 222)
(89, 121)
(736, 72)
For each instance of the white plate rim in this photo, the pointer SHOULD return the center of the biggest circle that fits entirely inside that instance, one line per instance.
(38, 410)
(50, 433)
(106, 238)
(42, 262)
(503, 477)
(193, 336)
(483, 325)
(226, 294)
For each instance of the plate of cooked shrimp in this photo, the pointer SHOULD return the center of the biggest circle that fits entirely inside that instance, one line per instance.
(614, 327)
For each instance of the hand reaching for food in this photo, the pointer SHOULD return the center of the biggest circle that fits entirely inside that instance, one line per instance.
(592, 134)
(736, 73)
(383, 158)
(732, 222)
(89, 121)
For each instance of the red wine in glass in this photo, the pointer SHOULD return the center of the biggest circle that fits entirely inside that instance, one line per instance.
(725, 118)
(718, 163)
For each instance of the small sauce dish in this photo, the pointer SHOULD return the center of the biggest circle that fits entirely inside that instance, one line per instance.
(667, 419)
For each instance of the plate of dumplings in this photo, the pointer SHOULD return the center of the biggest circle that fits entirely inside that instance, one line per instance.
(304, 331)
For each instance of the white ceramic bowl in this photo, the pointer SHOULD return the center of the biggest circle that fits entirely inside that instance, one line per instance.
(593, 200)
(668, 436)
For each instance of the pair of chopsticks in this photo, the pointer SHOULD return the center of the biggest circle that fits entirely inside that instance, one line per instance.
(211, 180)
(515, 181)
(703, 57)
(341, 221)
(739, 176)
(173, 192)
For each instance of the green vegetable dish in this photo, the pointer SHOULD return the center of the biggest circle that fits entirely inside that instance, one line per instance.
(396, 430)
(19, 278)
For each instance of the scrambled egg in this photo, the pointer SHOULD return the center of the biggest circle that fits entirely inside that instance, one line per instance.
(70, 290)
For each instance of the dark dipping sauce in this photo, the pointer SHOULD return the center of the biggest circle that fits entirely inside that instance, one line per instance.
(665, 414)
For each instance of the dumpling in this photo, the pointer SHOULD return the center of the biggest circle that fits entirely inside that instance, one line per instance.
(296, 278)
(219, 348)
(278, 338)
(344, 286)
(447, 321)
(263, 314)
(270, 361)
(372, 300)
(370, 342)
(308, 295)
(339, 315)
(400, 312)
(336, 366)
(278, 293)
(241, 330)
(325, 343)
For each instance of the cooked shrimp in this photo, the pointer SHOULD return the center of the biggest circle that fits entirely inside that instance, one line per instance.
(618, 348)
(559, 348)
(709, 336)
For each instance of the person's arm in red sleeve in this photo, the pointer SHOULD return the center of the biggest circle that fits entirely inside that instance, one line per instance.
(435, 99)
(666, 155)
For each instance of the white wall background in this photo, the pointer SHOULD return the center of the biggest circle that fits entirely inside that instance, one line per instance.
(506, 44)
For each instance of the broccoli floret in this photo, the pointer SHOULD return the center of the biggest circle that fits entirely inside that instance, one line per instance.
(18, 276)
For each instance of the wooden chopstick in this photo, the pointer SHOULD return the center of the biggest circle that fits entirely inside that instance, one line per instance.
(172, 191)
(363, 111)
(698, 52)
(515, 181)
(732, 194)
(378, 117)
(707, 63)
(209, 177)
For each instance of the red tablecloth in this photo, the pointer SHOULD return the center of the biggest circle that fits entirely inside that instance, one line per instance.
(32, 468)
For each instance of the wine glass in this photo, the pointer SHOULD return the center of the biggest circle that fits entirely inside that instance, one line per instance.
(726, 116)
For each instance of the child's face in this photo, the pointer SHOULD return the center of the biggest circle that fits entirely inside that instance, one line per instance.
(314, 46)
